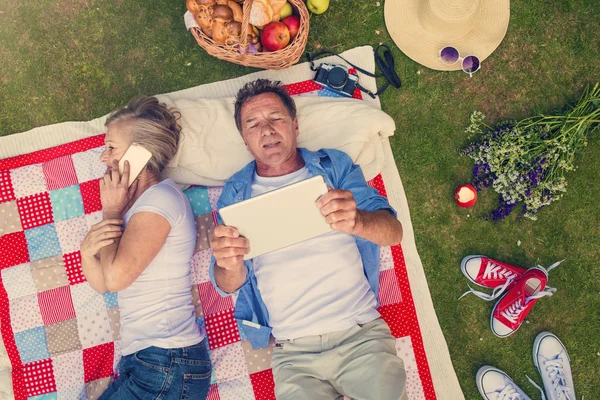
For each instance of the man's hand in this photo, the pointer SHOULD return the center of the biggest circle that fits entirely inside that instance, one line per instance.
(229, 248)
(339, 209)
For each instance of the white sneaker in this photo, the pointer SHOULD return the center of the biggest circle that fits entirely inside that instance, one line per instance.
(493, 384)
(552, 361)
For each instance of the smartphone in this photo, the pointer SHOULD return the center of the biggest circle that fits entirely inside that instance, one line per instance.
(138, 157)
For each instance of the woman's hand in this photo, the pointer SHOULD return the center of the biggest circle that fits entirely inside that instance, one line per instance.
(101, 235)
(115, 192)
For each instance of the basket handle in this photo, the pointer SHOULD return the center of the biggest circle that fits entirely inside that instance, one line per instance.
(245, 25)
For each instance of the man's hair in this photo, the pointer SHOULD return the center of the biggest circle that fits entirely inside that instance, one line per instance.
(257, 87)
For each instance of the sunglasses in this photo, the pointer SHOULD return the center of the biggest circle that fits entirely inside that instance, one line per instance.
(450, 55)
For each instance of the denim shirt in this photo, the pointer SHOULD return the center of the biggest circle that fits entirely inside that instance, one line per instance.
(339, 172)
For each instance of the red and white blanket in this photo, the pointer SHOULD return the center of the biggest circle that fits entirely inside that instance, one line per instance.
(62, 337)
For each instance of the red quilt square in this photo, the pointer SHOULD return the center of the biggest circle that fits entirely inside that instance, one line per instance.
(213, 302)
(90, 193)
(378, 184)
(73, 268)
(35, 210)
(39, 377)
(59, 173)
(56, 305)
(213, 393)
(18, 253)
(263, 385)
(6, 189)
(98, 362)
(395, 317)
(221, 329)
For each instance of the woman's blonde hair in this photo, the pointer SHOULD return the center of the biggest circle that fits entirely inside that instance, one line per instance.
(153, 125)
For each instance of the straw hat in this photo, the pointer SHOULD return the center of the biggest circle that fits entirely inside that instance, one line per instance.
(421, 28)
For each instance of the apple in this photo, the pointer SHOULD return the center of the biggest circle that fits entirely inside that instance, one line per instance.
(286, 11)
(465, 196)
(317, 6)
(293, 24)
(275, 36)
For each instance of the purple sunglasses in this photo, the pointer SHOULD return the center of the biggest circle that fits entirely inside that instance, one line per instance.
(450, 55)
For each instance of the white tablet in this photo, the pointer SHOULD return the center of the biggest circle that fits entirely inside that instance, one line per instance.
(279, 218)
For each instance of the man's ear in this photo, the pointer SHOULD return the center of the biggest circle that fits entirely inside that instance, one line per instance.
(296, 130)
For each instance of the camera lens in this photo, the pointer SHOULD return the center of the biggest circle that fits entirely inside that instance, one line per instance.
(337, 78)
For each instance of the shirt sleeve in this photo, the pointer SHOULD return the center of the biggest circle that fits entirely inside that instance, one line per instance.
(225, 200)
(349, 176)
(165, 201)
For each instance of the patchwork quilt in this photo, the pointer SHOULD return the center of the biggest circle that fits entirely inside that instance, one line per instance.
(63, 338)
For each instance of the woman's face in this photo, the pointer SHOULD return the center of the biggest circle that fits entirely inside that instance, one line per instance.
(117, 141)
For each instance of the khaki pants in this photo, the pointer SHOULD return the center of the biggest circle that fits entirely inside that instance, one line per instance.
(359, 362)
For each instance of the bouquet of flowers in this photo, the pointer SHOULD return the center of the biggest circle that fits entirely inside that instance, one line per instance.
(525, 161)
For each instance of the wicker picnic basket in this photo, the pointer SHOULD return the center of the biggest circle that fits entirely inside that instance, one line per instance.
(238, 53)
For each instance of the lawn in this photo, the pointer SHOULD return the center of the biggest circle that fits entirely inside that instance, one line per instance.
(67, 60)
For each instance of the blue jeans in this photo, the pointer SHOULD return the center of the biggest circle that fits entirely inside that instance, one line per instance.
(166, 374)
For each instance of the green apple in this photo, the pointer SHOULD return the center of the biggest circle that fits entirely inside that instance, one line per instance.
(317, 6)
(286, 11)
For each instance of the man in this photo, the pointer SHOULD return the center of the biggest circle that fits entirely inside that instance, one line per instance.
(318, 298)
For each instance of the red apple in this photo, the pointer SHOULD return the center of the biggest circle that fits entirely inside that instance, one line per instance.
(293, 24)
(275, 36)
(465, 195)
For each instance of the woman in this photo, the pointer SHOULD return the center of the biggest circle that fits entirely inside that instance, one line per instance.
(142, 249)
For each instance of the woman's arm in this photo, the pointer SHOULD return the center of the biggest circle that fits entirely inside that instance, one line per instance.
(102, 234)
(127, 257)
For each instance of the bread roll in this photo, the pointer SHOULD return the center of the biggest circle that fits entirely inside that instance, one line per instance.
(277, 6)
(237, 10)
(261, 13)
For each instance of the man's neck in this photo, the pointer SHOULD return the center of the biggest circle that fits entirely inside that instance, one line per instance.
(293, 164)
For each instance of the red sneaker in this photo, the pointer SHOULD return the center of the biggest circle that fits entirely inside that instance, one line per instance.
(484, 271)
(510, 311)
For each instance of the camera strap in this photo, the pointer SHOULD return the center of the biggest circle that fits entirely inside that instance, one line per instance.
(385, 64)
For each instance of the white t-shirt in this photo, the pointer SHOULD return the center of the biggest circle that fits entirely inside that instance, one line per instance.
(156, 309)
(316, 286)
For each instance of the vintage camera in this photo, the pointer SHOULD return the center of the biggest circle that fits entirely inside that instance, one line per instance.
(336, 78)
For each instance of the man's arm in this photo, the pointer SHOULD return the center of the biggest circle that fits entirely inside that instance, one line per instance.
(380, 227)
(229, 250)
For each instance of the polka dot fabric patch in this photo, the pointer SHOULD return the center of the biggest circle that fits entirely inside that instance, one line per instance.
(198, 196)
(35, 210)
(200, 266)
(88, 165)
(94, 329)
(73, 268)
(66, 203)
(19, 253)
(68, 369)
(62, 337)
(28, 180)
(9, 218)
(237, 389)
(49, 273)
(229, 362)
(25, 313)
(221, 329)
(42, 242)
(39, 377)
(97, 362)
(74, 393)
(96, 388)
(205, 228)
(90, 195)
(32, 344)
(18, 281)
(257, 359)
(264, 385)
(71, 233)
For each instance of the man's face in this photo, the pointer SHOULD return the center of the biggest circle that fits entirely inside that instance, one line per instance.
(268, 130)
(117, 142)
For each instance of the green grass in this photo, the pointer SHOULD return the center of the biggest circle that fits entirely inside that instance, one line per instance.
(78, 59)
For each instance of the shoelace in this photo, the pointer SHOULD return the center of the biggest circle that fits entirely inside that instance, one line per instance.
(509, 393)
(498, 290)
(515, 309)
